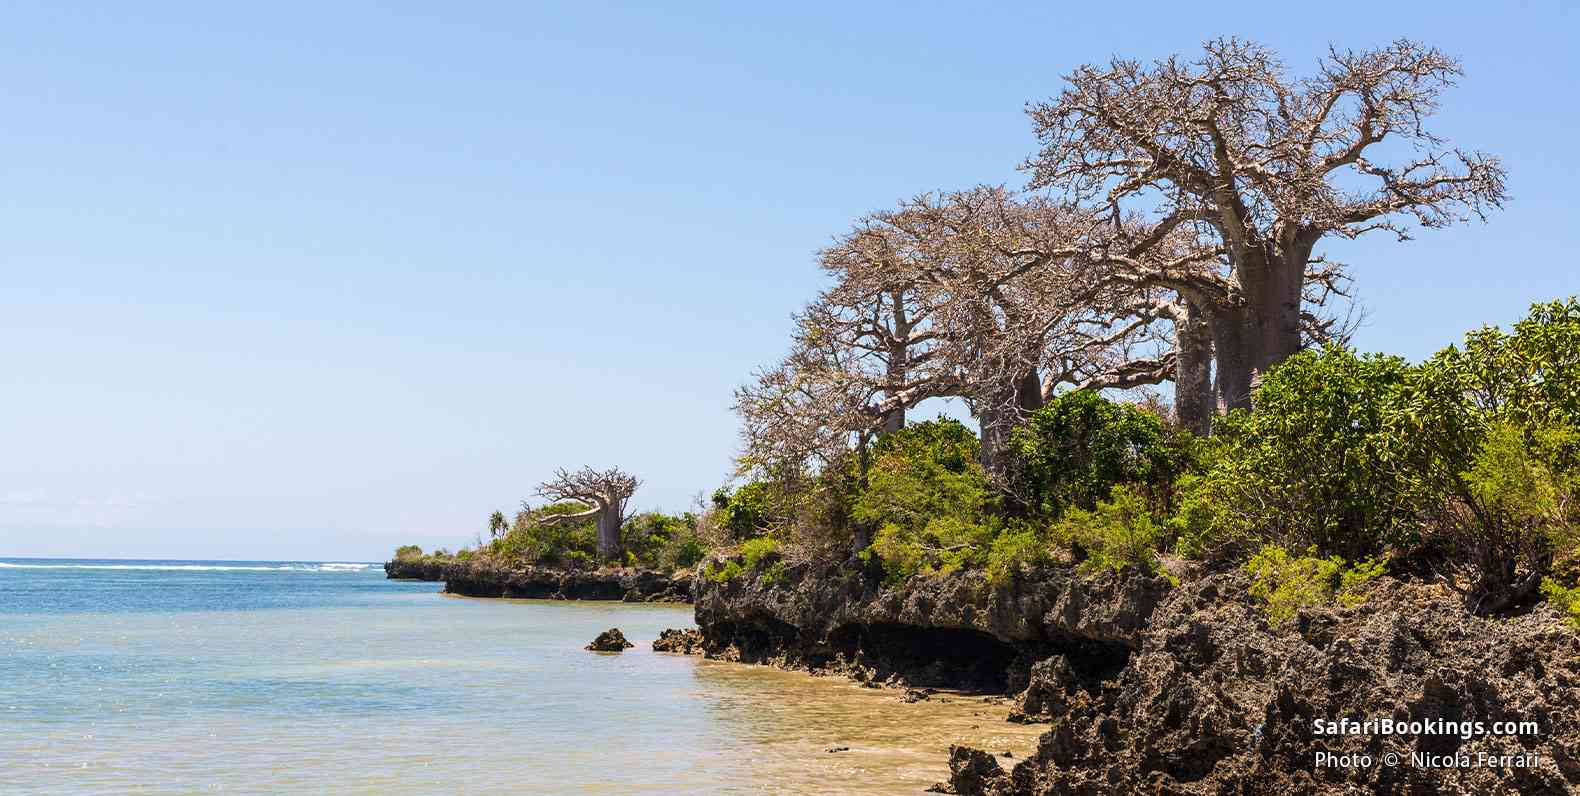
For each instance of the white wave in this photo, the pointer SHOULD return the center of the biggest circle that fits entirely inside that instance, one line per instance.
(328, 567)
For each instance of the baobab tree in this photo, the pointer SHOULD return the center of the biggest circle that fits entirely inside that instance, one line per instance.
(1258, 167)
(604, 492)
(1015, 311)
(978, 295)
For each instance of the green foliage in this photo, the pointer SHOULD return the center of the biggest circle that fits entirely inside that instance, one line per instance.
(1012, 550)
(942, 546)
(1072, 451)
(1120, 533)
(928, 497)
(746, 512)
(774, 574)
(724, 572)
(662, 541)
(406, 551)
(1564, 598)
(759, 550)
(1484, 438)
(682, 551)
(1286, 583)
(921, 473)
(1303, 468)
(1517, 483)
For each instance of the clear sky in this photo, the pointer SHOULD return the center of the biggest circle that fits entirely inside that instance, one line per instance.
(309, 280)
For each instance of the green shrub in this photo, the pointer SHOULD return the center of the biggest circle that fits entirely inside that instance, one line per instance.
(682, 551)
(1565, 598)
(921, 473)
(759, 550)
(532, 541)
(943, 546)
(724, 571)
(1485, 439)
(774, 574)
(1302, 469)
(406, 551)
(1012, 550)
(1286, 583)
(929, 498)
(900, 553)
(1118, 534)
(746, 512)
(1073, 450)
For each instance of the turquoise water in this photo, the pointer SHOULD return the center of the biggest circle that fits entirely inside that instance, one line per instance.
(246, 677)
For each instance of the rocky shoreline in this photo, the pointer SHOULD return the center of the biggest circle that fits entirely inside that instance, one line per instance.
(485, 578)
(1154, 688)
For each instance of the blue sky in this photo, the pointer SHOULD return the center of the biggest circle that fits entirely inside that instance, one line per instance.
(297, 280)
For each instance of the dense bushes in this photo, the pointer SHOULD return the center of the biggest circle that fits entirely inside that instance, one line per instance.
(924, 473)
(1466, 464)
(1302, 469)
(928, 498)
(651, 540)
(1072, 451)
(662, 541)
(1489, 450)
(1286, 583)
(1118, 533)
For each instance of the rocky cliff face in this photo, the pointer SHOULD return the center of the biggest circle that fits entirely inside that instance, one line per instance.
(1149, 688)
(486, 578)
(414, 569)
(953, 631)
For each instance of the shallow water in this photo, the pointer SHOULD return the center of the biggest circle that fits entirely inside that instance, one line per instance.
(181, 677)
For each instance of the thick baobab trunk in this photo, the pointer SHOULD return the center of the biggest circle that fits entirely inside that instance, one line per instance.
(894, 419)
(899, 361)
(609, 547)
(1263, 330)
(1028, 393)
(998, 415)
(1193, 400)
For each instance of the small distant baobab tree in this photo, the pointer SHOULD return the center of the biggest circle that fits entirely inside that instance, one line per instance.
(605, 492)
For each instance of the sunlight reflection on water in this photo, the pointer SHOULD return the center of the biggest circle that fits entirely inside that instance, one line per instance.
(424, 694)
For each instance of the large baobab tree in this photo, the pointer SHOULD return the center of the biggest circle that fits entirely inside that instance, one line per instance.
(1015, 310)
(979, 295)
(873, 312)
(1259, 167)
(604, 492)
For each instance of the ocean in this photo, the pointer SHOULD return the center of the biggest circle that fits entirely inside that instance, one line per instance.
(324, 677)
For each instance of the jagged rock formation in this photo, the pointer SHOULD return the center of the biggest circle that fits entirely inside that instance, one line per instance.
(1186, 690)
(611, 640)
(482, 577)
(420, 568)
(954, 631)
(685, 642)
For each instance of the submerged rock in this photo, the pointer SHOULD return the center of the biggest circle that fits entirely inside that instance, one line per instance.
(685, 642)
(611, 640)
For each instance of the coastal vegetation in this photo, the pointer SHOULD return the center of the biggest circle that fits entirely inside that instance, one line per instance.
(1169, 234)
